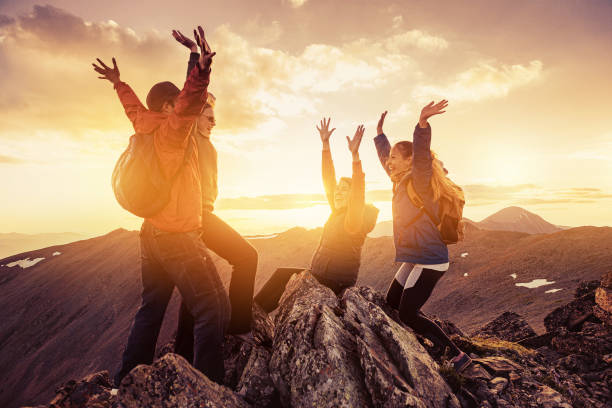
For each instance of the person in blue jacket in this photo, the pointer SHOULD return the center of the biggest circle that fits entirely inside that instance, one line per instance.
(418, 243)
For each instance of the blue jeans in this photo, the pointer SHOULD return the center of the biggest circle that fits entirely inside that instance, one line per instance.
(181, 260)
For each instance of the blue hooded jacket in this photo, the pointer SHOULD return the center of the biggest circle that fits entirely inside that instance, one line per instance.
(417, 239)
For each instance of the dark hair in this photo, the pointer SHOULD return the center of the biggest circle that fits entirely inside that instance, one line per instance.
(161, 93)
(405, 148)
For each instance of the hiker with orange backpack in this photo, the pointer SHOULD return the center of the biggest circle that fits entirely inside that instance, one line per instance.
(217, 235)
(427, 209)
(158, 178)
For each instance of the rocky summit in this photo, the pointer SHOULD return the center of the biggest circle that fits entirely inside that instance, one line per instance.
(320, 350)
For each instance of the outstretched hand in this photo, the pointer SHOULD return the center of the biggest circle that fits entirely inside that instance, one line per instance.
(186, 41)
(206, 53)
(381, 122)
(110, 74)
(355, 142)
(432, 109)
(324, 131)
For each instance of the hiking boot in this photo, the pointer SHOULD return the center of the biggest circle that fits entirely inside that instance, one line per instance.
(461, 362)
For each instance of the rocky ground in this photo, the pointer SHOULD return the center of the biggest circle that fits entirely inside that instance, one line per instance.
(352, 351)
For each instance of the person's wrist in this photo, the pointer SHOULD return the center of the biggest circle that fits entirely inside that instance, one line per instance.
(379, 131)
(423, 123)
(194, 49)
(355, 156)
(325, 144)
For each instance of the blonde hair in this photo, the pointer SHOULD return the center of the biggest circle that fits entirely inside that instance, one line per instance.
(441, 185)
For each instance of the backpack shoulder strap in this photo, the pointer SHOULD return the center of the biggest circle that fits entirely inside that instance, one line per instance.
(419, 202)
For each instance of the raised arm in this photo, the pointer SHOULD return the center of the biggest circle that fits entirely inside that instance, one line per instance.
(383, 147)
(353, 222)
(194, 56)
(191, 99)
(131, 104)
(422, 161)
(327, 164)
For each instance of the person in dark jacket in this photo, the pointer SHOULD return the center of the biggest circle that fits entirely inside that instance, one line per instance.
(218, 236)
(336, 261)
(418, 243)
(338, 257)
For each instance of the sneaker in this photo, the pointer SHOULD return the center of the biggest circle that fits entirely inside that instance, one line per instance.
(461, 362)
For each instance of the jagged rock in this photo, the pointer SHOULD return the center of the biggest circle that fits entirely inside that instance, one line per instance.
(236, 354)
(93, 391)
(498, 384)
(476, 372)
(508, 326)
(397, 346)
(263, 326)
(349, 354)
(594, 345)
(603, 294)
(571, 315)
(542, 340)
(315, 360)
(498, 366)
(549, 398)
(586, 288)
(256, 385)
(172, 382)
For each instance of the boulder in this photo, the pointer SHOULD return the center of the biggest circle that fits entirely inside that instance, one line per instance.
(315, 361)
(508, 326)
(397, 348)
(171, 382)
(255, 385)
(571, 315)
(93, 391)
(603, 294)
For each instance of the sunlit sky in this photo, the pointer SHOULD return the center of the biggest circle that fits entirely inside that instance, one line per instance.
(529, 120)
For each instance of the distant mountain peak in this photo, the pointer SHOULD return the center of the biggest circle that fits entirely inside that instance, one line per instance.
(517, 219)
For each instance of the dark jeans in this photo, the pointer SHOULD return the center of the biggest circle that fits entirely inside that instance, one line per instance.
(408, 301)
(230, 245)
(181, 260)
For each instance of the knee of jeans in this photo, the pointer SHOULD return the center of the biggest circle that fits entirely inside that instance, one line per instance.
(212, 311)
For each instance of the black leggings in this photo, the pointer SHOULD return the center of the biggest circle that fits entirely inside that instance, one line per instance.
(408, 298)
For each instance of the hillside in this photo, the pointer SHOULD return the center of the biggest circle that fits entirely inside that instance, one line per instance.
(69, 314)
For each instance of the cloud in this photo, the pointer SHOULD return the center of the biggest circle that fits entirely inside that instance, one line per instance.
(485, 81)
(415, 38)
(529, 194)
(62, 91)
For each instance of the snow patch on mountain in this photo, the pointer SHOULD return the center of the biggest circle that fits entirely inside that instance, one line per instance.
(536, 283)
(25, 263)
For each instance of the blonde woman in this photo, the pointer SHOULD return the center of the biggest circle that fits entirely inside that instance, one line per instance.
(418, 243)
